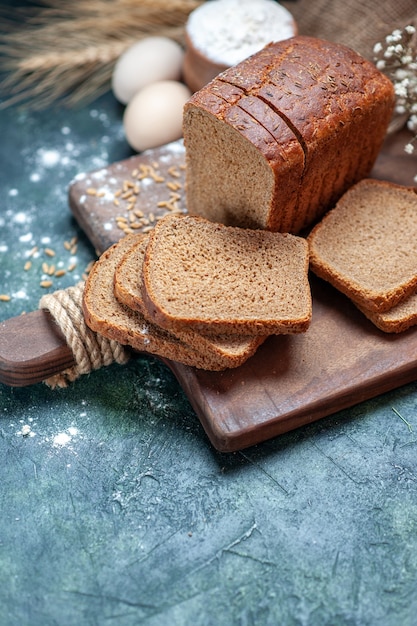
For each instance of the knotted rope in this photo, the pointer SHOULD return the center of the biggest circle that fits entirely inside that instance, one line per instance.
(90, 350)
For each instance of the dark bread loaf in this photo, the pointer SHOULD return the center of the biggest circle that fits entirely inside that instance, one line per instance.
(105, 315)
(233, 350)
(220, 279)
(333, 103)
(257, 130)
(367, 245)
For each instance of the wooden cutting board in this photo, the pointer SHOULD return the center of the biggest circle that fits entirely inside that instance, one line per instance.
(291, 380)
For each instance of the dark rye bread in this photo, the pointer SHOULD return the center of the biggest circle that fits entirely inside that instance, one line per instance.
(367, 245)
(215, 278)
(233, 350)
(105, 315)
(245, 143)
(334, 103)
(398, 319)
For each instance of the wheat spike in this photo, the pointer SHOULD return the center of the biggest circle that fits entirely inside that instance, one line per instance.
(68, 52)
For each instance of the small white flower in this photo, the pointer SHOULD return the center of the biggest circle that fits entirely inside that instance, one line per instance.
(410, 29)
(378, 48)
(401, 74)
(400, 90)
(409, 148)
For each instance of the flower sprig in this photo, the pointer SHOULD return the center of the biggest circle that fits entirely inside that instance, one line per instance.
(397, 58)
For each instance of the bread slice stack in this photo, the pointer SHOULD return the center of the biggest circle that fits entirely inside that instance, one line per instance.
(200, 293)
(366, 247)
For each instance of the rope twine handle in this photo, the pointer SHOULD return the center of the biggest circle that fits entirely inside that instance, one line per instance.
(91, 350)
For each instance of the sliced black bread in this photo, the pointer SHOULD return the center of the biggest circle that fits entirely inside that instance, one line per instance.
(243, 169)
(398, 319)
(127, 279)
(105, 315)
(226, 280)
(367, 245)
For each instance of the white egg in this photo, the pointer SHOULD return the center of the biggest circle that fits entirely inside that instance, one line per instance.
(150, 60)
(154, 115)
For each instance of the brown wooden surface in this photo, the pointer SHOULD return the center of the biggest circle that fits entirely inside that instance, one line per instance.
(32, 348)
(292, 380)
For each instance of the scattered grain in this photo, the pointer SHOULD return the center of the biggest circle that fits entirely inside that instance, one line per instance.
(49, 252)
(174, 186)
(46, 283)
(89, 266)
(174, 172)
(4, 297)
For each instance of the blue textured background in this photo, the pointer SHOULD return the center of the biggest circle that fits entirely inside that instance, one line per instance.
(118, 511)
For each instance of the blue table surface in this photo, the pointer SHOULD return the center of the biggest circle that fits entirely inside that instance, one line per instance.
(115, 508)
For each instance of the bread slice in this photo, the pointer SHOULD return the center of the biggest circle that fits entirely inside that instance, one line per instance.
(367, 245)
(233, 350)
(249, 132)
(398, 319)
(215, 278)
(105, 315)
(334, 103)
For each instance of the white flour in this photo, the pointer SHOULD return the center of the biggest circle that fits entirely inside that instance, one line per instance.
(228, 31)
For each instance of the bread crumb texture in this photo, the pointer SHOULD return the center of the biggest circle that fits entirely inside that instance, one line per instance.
(367, 245)
(127, 282)
(209, 276)
(105, 315)
(244, 170)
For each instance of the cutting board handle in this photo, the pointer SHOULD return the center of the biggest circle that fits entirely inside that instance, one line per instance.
(32, 348)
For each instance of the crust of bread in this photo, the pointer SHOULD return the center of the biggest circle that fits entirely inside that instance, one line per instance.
(215, 278)
(366, 246)
(233, 350)
(106, 316)
(398, 319)
(336, 104)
